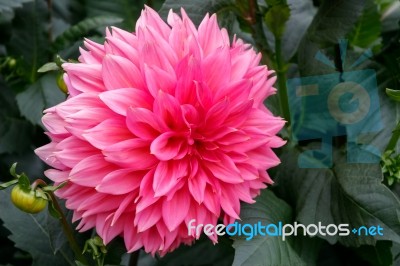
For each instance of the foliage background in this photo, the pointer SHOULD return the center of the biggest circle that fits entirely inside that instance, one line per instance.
(288, 33)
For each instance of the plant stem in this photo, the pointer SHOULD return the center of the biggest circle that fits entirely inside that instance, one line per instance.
(281, 75)
(64, 223)
(394, 139)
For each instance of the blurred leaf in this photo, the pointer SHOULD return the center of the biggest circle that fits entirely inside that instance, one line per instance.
(15, 133)
(9, 5)
(127, 10)
(51, 66)
(29, 40)
(30, 233)
(333, 21)
(78, 31)
(197, 9)
(368, 27)
(276, 18)
(391, 16)
(349, 193)
(377, 255)
(220, 254)
(265, 250)
(393, 94)
(301, 14)
(39, 96)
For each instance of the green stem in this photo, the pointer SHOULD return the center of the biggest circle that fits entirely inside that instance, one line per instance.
(64, 223)
(394, 139)
(281, 75)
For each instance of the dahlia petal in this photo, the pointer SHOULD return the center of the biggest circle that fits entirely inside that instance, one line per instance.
(109, 231)
(210, 36)
(84, 77)
(158, 79)
(225, 171)
(142, 123)
(56, 175)
(107, 133)
(73, 150)
(46, 153)
(179, 206)
(197, 185)
(168, 112)
(126, 206)
(119, 72)
(166, 146)
(120, 182)
(230, 203)
(147, 217)
(216, 68)
(120, 100)
(122, 48)
(168, 175)
(90, 171)
(131, 153)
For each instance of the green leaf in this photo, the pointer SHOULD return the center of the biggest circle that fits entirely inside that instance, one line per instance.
(265, 250)
(333, 21)
(51, 66)
(127, 10)
(393, 94)
(30, 233)
(301, 14)
(15, 133)
(39, 96)
(368, 27)
(197, 9)
(7, 184)
(220, 254)
(29, 41)
(350, 193)
(276, 18)
(9, 5)
(78, 31)
(377, 255)
(24, 182)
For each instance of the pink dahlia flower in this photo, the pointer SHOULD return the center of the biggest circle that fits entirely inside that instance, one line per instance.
(162, 126)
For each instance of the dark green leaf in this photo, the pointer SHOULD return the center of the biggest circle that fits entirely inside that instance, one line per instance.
(9, 5)
(368, 27)
(29, 232)
(197, 9)
(377, 255)
(29, 40)
(301, 14)
(265, 250)
(39, 96)
(334, 19)
(78, 31)
(127, 10)
(220, 254)
(350, 193)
